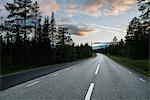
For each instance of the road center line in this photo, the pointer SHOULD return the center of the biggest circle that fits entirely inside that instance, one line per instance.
(96, 72)
(100, 60)
(142, 79)
(89, 93)
(32, 84)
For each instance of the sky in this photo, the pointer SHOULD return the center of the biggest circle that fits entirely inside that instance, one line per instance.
(89, 20)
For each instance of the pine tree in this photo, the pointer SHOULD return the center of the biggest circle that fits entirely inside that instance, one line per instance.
(144, 8)
(36, 20)
(20, 12)
(62, 36)
(53, 34)
(46, 29)
(53, 37)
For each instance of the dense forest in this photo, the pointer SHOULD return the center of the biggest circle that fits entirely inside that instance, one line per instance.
(27, 41)
(136, 43)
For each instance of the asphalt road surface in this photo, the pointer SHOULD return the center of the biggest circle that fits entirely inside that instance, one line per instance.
(97, 78)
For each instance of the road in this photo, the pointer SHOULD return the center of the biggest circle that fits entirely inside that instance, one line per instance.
(98, 78)
(13, 79)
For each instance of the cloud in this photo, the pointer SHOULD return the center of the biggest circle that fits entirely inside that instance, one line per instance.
(48, 5)
(120, 6)
(64, 21)
(89, 7)
(2, 8)
(85, 31)
(101, 7)
(117, 31)
(114, 30)
(108, 28)
(71, 8)
(79, 31)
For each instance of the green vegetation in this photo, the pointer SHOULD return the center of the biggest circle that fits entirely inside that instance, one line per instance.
(27, 40)
(141, 66)
(8, 70)
(133, 51)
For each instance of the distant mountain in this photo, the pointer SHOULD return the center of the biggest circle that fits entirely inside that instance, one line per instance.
(99, 45)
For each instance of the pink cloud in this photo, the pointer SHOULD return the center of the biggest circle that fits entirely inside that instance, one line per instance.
(108, 7)
(85, 31)
(91, 8)
(48, 5)
(121, 6)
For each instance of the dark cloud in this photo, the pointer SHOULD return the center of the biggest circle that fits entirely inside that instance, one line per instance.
(79, 31)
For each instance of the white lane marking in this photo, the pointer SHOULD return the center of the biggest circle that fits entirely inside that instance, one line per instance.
(129, 72)
(55, 74)
(96, 72)
(67, 69)
(100, 60)
(32, 84)
(89, 93)
(142, 79)
(123, 68)
(74, 66)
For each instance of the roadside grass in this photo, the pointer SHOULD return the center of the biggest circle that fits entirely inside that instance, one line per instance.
(14, 69)
(141, 66)
(93, 55)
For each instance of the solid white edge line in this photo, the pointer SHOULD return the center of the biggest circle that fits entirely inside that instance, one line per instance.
(32, 84)
(129, 72)
(123, 68)
(89, 93)
(97, 69)
(142, 79)
(67, 69)
(55, 74)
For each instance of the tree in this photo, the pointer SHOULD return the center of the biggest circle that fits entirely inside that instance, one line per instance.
(63, 42)
(144, 8)
(138, 33)
(36, 20)
(20, 51)
(62, 35)
(20, 12)
(46, 29)
(53, 34)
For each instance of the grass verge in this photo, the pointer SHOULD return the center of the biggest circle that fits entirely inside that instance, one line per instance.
(141, 66)
(14, 69)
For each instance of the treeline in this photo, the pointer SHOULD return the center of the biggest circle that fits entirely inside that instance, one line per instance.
(136, 44)
(26, 40)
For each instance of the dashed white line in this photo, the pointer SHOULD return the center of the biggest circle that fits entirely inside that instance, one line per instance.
(96, 72)
(55, 74)
(100, 60)
(142, 79)
(89, 93)
(32, 84)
